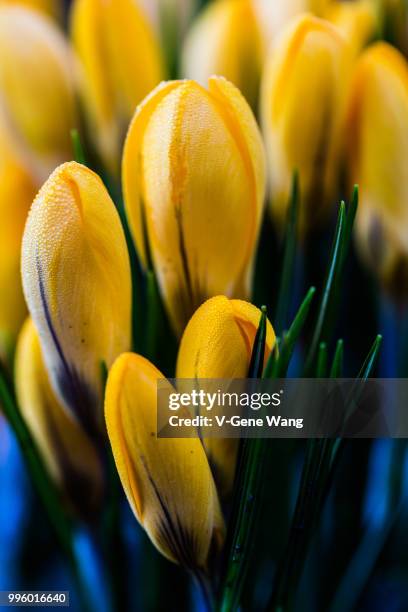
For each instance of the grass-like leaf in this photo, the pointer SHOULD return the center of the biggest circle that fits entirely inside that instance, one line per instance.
(289, 256)
(277, 367)
(320, 461)
(334, 263)
(79, 154)
(246, 498)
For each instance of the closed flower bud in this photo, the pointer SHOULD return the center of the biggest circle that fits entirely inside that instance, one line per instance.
(67, 452)
(217, 343)
(17, 190)
(303, 103)
(194, 183)
(226, 40)
(167, 481)
(377, 135)
(76, 279)
(121, 64)
(37, 85)
(357, 21)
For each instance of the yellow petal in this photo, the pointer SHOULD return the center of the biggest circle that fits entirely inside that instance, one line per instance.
(17, 190)
(303, 105)
(217, 343)
(226, 40)
(76, 279)
(68, 453)
(194, 181)
(37, 85)
(167, 481)
(377, 146)
(356, 20)
(122, 63)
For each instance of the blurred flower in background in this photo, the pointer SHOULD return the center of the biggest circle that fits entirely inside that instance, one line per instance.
(17, 190)
(70, 456)
(226, 39)
(121, 61)
(275, 15)
(310, 63)
(52, 8)
(358, 21)
(377, 138)
(41, 71)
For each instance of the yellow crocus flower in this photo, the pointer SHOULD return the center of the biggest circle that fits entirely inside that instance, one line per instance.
(377, 135)
(167, 481)
(67, 452)
(226, 40)
(76, 279)
(302, 103)
(49, 7)
(194, 184)
(121, 62)
(217, 343)
(17, 190)
(37, 85)
(357, 21)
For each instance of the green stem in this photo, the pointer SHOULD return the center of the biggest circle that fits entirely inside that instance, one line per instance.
(247, 494)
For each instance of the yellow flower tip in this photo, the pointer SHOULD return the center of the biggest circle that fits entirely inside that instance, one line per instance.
(376, 141)
(218, 340)
(68, 453)
(114, 42)
(76, 280)
(217, 343)
(310, 62)
(167, 481)
(193, 155)
(37, 80)
(226, 39)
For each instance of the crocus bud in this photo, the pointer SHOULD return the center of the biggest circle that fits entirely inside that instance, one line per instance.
(194, 183)
(76, 279)
(17, 190)
(37, 85)
(121, 63)
(217, 343)
(167, 481)
(303, 102)
(66, 450)
(226, 40)
(357, 21)
(52, 8)
(377, 135)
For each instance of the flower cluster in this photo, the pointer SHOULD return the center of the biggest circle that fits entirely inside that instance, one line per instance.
(195, 171)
